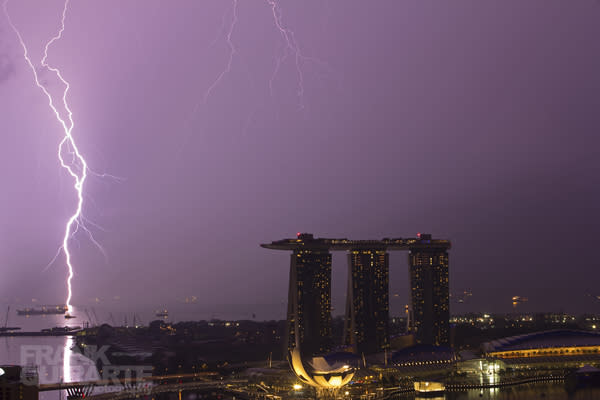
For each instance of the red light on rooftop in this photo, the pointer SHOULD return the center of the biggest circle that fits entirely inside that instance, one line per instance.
(419, 235)
(298, 234)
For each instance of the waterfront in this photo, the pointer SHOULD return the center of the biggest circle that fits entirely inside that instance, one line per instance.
(59, 361)
(122, 316)
(547, 391)
(55, 357)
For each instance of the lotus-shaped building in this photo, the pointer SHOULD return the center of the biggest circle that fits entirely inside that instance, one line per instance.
(328, 372)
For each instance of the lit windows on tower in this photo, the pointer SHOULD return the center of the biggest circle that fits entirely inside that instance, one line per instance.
(367, 301)
(309, 302)
(430, 296)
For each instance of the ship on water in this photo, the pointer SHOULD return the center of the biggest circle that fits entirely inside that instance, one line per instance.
(62, 329)
(44, 310)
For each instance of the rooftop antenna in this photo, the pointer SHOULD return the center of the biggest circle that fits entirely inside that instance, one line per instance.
(139, 320)
(95, 316)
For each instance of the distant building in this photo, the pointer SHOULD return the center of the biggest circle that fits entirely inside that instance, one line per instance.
(430, 295)
(552, 347)
(422, 357)
(479, 366)
(309, 299)
(367, 301)
(17, 383)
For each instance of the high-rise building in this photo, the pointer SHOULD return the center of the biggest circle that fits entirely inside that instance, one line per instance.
(367, 301)
(367, 305)
(18, 383)
(309, 301)
(430, 296)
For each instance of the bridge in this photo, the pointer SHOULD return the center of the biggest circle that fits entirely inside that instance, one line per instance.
(220, 386)
(45, 387)
(135, 387)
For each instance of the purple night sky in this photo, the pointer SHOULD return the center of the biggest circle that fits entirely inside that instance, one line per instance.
(476, 121)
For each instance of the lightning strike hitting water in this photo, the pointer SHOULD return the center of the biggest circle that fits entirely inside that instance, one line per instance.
(77, 166)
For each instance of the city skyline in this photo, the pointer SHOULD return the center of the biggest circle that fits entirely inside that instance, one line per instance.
(476, 122)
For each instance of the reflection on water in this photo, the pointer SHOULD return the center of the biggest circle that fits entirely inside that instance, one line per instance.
(67, 354)
(53, 357)
(546, 391)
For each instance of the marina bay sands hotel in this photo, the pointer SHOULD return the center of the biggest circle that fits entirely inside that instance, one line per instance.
(367, 300)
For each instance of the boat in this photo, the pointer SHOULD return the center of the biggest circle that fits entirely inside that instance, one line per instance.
(9, 328)
(162, 313)
(43, 310)
(62, 329)
(69, 316)
(429, 389)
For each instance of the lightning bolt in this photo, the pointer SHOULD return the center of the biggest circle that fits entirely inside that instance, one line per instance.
(68, 153)
(226, 70)
(76, 166)
(232, 51)
(291, 47)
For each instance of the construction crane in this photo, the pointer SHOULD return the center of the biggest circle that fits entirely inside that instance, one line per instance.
(95, 316)
(89, 317)
(111, 318)
(139, 320)
(7, 328)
